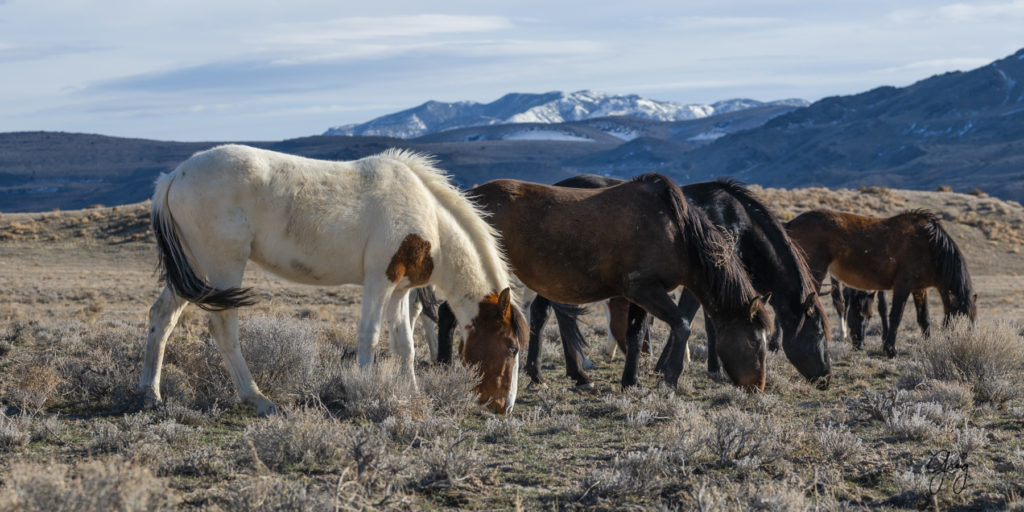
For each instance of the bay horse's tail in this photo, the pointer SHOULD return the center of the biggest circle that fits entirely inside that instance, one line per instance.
(955, 278)
(174, 265)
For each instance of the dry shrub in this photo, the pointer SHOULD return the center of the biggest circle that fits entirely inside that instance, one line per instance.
(34, 383)
(922, 421)
(15, 431)
(452, 461)
(281, 352)
(375, 392)
(95, 485)
(987, 355)
(740, 437)
(301, 436)
(273, 492)
(451, 388)
(406, 430)
(838, 444)
(643, 472)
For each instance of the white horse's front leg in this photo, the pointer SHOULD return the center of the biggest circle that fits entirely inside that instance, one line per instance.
(162, 317)
(400, 332)
(224, 326)
(375, 294)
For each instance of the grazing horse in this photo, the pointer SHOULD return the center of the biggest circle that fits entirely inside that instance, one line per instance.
(776, 268)
(906, 253)
(857, 306)
(391, 222)
(638, 240)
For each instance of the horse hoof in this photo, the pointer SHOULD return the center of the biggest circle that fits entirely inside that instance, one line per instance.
(586, 386)
(890, 352)
(588, 364)
(536, 385)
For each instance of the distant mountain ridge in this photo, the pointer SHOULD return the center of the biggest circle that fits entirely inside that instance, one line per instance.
(548, 108)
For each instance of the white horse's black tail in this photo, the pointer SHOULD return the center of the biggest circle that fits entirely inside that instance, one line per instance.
(174, 265)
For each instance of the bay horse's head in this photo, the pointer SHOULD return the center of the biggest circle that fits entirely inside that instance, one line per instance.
(492, 343)
(858, 313)
(742, 344)
(807, 349)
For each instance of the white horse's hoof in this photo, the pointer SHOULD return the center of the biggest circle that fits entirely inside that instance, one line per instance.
(588, 386)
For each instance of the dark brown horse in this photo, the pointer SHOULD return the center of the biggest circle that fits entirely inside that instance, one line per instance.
(638, 240)
(775, 267)
(906, 253)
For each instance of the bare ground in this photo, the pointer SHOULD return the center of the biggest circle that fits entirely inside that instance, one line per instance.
(907, 433)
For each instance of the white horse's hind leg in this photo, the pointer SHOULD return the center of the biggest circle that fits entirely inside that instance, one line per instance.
(401, 333)
(224, 327)
(162, 318)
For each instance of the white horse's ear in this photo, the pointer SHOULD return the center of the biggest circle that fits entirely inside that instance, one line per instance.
(505, 303)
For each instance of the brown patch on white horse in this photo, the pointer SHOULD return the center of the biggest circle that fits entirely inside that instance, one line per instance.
(412, 260)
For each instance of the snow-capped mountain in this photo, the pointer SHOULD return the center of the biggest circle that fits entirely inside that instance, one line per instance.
(551, 107)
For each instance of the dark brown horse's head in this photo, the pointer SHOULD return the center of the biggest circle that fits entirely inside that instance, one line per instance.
(492, 343)
(807, 349)
(742, 344)
(962, 304)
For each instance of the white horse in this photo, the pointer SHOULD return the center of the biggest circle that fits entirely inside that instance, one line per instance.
(390, 222)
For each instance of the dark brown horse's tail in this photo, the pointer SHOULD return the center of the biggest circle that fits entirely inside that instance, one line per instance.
(174, 264)
(955, 278)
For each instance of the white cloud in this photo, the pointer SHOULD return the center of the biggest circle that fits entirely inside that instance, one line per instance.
(961, 13)
(374, 28)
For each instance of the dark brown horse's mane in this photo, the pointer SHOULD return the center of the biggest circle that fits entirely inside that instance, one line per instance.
(727, 279)
(773, 229)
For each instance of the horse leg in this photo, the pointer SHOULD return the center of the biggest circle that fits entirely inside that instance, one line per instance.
(636, 318)
(376, 292)
(713, 365)
(899, 300)
(840, 305)
(688, 305)
(162, 317)
(921, 304)
(400, 333)
(572, 341)
(654, 299)
(883, 314)
(429, 327)
(610, 343)
(618, 325)
(224, 327)
(446, 324)
(538, 317)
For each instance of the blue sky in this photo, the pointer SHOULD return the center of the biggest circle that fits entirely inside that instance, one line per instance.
(268, 70)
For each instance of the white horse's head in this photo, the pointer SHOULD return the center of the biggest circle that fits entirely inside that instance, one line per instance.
(493, 341)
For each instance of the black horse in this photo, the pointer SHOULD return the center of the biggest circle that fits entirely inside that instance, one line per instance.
(776, 268)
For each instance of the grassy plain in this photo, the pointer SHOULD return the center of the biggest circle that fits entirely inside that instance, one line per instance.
(941, 426)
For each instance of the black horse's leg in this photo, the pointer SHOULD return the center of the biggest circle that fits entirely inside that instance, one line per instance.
(446, 324)
(634, 330)
(840, 305)
(899, 301)
(538, 317)
(921, 304)
(883, 310)
(572, 342)
(688, 306)
(713, 365)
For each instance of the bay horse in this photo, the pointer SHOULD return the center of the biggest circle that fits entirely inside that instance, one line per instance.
(391, 222)
(638, 240)
(777, 269)
(906, 253)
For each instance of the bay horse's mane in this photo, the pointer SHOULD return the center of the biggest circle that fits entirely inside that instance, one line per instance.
(955, 277)
(709, 248)
(773, 229)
